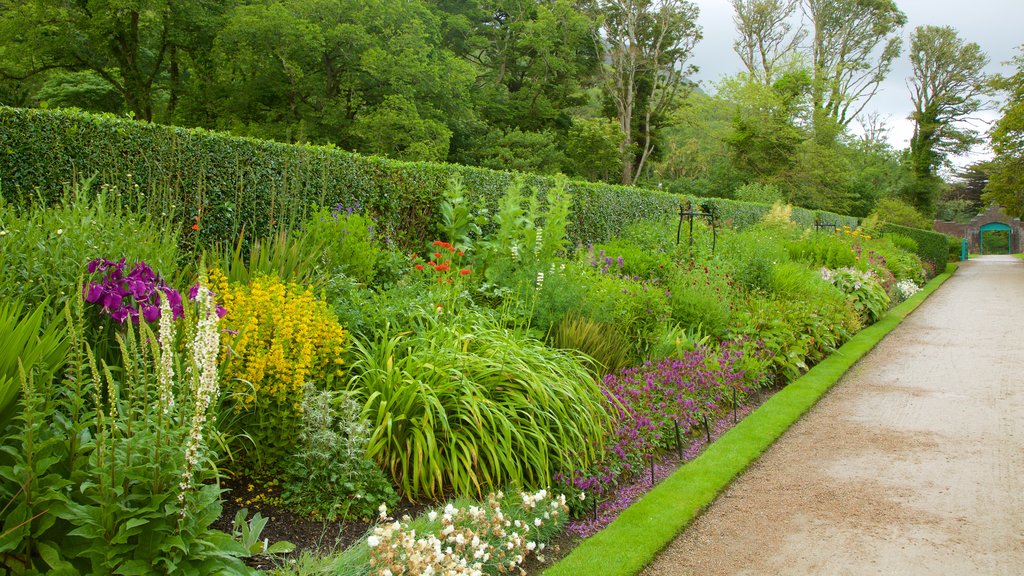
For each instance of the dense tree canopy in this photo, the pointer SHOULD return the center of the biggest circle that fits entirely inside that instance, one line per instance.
(1006, 170)
(947, 88)
(597, 89)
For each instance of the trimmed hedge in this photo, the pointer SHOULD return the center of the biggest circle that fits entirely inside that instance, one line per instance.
(931, 246)
(224, 183)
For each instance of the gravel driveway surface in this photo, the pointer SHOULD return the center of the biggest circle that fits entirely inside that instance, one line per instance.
(913, 464)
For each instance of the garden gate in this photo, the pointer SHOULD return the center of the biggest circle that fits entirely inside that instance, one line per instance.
(974, 231)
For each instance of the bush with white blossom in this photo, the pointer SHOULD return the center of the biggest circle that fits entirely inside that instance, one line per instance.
(467, 537)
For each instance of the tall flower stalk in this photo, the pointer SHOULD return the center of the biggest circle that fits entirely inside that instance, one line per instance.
(203, 379)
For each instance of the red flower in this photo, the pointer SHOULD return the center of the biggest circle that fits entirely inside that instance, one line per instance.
(437, 254)
(461, 253)
(419, 266)
(465, 271)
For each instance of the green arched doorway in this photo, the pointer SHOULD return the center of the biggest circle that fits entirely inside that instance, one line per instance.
(994, 227)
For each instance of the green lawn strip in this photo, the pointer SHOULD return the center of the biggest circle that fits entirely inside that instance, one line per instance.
(631, 541)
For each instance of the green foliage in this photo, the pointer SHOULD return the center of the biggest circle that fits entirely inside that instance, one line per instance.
(109, 470)
(864, 290)
(1006, 169)
(284, 255)
(459, 224)
(822, 249)
(902, 242)
(896, 211)
(44, 251)
(759, 193)
(565, 289)
(283, 337)
(329, 475)
(344, 241)
(932, 247)
(467, 405)
(27, 348)
(224, 184)
(602, 342)
(701, 299)
(638, 261)
(593, 149)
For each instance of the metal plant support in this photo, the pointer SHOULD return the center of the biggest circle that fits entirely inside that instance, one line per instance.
(708, 212)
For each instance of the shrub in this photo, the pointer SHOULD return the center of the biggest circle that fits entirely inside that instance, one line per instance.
(345, 241)
(932, 247)
(700, 299)
(822, 249)
(466, 405)
(864, 290)
(896, 211)
(602, 342)
(794, 332)
(637, 261)
(635, 308)
(905, 243)
(285, 338)
(464, 537)
(329, 476)
(759, 193)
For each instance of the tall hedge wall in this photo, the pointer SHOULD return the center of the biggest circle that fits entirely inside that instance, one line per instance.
(228, 182)
(931, 246)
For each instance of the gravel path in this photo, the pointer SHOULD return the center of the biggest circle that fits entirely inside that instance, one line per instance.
(913, 463)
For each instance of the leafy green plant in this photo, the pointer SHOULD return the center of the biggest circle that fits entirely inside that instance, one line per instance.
(330, 476)
(673, 340)
(131, 439)
(248, 532)
(343, 240)
(285, 255)
(759, 193)
(529, 234)
(27, 347)
(864, 290)
(467, 405)
(822, 249)
(702, 298)
(460, 223)
(599, 341)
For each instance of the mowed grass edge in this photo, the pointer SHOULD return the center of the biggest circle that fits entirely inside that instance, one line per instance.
(630, 542)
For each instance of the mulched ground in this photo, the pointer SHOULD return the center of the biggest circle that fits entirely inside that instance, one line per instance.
(319, 537)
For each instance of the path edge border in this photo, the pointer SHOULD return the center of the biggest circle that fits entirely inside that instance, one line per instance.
(633, 539)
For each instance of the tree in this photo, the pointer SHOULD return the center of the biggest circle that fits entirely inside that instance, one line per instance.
(853, 45)
(644, 46)
(766, 35)
(947, 87)
(131, 45)
(1006, 169)
(593, 148)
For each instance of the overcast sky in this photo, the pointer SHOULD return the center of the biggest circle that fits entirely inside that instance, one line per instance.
(996, 25)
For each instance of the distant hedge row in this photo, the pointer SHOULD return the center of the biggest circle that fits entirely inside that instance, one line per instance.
(220, 183)
(931, 246)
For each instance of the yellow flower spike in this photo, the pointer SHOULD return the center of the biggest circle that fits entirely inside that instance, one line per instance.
(289, 338)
